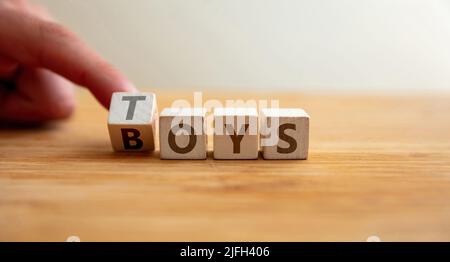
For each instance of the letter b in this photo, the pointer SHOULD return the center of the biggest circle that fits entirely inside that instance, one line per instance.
(131, 135)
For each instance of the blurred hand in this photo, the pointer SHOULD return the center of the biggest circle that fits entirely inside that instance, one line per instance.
(37, 55)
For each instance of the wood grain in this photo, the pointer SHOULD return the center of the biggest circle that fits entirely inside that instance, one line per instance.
(378, 165)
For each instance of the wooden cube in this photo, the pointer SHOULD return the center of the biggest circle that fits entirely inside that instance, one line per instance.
(132, 121)
(235, 133)
(182, 133)
(284, 133)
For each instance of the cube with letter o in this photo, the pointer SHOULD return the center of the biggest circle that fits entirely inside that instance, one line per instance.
(182, 133)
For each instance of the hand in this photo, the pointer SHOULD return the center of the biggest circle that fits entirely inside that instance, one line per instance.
(37, 55)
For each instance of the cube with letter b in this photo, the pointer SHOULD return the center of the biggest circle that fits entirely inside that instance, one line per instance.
(235, 133)
(284, 133)
(182, 133)
(132, 120)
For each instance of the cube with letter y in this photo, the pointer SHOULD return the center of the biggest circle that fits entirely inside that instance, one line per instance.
(182, 133)
(235, 133)
(132, 120)
(284, 133)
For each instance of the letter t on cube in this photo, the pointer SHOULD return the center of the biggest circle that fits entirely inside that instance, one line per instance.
(132, 120)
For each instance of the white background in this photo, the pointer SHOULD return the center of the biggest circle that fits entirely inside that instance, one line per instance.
(401, 45)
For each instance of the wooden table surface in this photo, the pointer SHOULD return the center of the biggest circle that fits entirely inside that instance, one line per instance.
(378, 166)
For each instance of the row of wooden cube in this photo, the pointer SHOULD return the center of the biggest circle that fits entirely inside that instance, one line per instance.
(283, 133)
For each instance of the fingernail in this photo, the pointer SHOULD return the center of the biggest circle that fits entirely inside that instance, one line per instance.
(131, 87)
